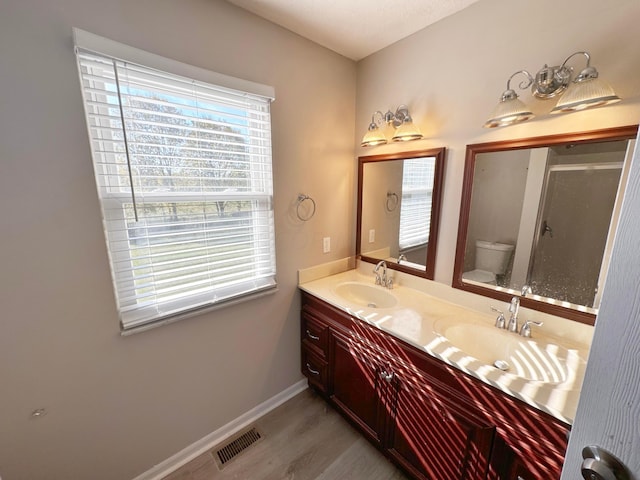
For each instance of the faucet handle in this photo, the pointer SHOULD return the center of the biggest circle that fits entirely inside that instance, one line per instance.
(525, 331)
(500, 320)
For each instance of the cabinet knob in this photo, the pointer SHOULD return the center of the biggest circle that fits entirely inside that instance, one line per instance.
(599, 464)
(386, 376)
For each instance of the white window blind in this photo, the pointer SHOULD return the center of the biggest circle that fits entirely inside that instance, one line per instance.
(415, 206)
(183, 170)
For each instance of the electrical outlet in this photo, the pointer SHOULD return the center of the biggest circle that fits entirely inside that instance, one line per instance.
(326, 244)
(372, 235)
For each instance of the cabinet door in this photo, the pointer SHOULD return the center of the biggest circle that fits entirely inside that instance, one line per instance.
(434, 439)
(354, 384)
(517, 470)
(533, 462)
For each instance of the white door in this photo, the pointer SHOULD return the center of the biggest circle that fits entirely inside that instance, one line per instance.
(609, 408)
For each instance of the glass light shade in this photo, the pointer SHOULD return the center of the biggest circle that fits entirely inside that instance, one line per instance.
(508, 112)
(592, 92)
(407, 131)
(373, 137)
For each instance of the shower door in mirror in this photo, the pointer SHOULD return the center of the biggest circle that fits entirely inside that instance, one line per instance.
(572, 231)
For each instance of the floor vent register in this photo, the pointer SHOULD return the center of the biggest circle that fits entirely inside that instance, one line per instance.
(235, 446)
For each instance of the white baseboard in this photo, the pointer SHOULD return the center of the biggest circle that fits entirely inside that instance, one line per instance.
(206, 443)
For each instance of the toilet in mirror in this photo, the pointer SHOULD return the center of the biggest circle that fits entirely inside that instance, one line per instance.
(491, 260)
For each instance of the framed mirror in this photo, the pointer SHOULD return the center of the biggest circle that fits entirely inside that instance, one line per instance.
(538, 217)
(399, 197)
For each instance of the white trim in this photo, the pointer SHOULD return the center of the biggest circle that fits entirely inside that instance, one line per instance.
(105, 46)
(199, 447)
(196, 311)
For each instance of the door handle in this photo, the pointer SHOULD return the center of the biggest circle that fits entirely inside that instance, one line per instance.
(546, 228)
(599, 464)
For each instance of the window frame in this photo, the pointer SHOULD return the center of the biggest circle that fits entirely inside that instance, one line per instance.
(113, 199)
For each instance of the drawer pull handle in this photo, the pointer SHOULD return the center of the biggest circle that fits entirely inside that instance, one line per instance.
(311, 370)
(312, 336)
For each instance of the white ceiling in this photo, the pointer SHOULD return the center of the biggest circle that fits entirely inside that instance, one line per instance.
(354, 28)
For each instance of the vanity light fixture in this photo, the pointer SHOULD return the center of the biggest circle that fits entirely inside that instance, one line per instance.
(401, 120)
(511, 110)
(585, 91)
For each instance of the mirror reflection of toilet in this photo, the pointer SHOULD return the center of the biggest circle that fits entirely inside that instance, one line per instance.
(492, 259)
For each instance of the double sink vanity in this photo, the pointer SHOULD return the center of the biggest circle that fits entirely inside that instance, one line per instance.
(465, 338)
(427, 371)
(415, 373)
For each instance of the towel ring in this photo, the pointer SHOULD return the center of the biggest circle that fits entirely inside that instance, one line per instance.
(301, 199)
(392, 201)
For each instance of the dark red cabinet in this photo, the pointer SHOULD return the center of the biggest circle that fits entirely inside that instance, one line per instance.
(431, 419)
(355, 385)
(432, 437)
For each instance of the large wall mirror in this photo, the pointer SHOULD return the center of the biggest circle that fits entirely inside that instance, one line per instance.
(399, 198)
(538, 217)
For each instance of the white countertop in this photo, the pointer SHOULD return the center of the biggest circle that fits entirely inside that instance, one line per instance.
(420, 319)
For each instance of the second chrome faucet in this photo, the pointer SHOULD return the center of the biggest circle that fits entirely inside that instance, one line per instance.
(382, 278)
(514, 309)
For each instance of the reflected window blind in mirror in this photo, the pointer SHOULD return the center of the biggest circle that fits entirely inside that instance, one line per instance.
(415, 206)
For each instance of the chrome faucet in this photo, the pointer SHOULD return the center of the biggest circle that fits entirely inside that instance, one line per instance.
(514, 308)
(383, 279)
(401, 258)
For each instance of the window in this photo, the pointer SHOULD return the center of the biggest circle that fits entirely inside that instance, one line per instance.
(183, 171)
(415, 205)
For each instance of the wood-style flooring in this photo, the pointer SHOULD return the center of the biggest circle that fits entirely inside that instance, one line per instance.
(304, 439)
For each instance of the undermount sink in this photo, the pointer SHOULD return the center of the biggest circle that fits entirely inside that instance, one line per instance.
(507, 351)
(365, 295)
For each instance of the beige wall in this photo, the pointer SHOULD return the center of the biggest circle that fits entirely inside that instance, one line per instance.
(452, 74)
(496, 200)
(117, 406)
(381, 178)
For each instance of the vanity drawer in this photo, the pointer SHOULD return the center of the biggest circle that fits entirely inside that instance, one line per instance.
(315, 369)
(315, 334)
